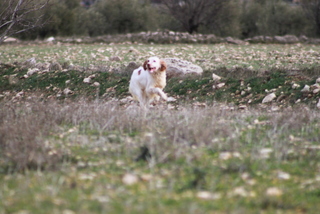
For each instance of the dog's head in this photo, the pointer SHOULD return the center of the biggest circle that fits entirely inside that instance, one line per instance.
(154, 64)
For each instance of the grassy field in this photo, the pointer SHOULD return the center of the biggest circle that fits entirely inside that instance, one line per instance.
(91, 150)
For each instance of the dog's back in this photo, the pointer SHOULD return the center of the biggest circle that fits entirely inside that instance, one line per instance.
(138, 83)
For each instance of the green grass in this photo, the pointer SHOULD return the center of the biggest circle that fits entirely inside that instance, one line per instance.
(69, 153)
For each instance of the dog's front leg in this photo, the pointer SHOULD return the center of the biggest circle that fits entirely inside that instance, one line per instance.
(157, 91)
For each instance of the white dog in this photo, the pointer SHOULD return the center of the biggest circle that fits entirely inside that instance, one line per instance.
(147, 82)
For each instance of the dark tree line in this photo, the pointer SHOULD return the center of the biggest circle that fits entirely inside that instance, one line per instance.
(31, 19)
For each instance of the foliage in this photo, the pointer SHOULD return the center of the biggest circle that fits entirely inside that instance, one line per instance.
(223, 18)
(312, 12)
(192, 14)
(273, 18)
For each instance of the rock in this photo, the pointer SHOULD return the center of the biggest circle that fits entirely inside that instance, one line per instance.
(318, 104)
(43, 67)
(87, 80)
(55, 66)
(283, 175)
(295, 86)
(316, 91)
(67, 91)
(130, 179)
(287, 39)
(269, 98)
(171, 99)
(96, 84)
(279, 39)
(318, 80)
(303, 38)
(198, 104)
(115, 58)
(220, 85)
(274, 191)
(215, 77)
(13, 79)
(291, 39)
(235, 41)
(30, 63)
(260, 39)
(306, 88)
(131, 67)
(32, 71)
(50, 39)
(10, 40)
(265, 153)
(205, 195)
(178, 67)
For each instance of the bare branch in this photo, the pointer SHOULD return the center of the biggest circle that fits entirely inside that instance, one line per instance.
(17, 16)
(194, 13)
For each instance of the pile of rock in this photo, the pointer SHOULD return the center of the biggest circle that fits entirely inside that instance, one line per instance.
(171, 37)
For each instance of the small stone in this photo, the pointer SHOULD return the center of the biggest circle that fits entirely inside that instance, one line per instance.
(295, 86)
(318, 104)
(205, 195)
(220, 85)
(283, 175)
(274, 191)
(67, 91)
(32, 71)
(96, 84)
(306, 88)
(171, 99)
(215, 77)
(130, 179)
(265, 153)
(115, 58)
(269, 98)
(318, 80)
(55, 66)
(13, 79)
(50, 39)
(201, 105)
(87, 80)
(317, 90)
(240, 191)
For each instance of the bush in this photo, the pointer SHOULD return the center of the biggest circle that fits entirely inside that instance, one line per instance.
(22, 137)
(122, 16)
(273, 18)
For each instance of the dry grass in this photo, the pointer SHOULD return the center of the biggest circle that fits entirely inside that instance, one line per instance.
(69, 155)
(190, 151)
(25, 128)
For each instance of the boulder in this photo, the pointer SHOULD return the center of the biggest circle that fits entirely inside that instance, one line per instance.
(235, 41)
(287, 39)
(131, 67)
(10, 40)
(260, 39)
(178, 67)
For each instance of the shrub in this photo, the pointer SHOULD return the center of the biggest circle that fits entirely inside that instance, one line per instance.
(122, 16)
(273, 18)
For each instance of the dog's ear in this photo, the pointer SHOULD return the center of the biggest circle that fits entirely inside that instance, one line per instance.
(163, 65)
(145, 65)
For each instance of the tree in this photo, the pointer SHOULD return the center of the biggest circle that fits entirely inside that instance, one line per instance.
(16, 16)
(194, 13)
(312, 10)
